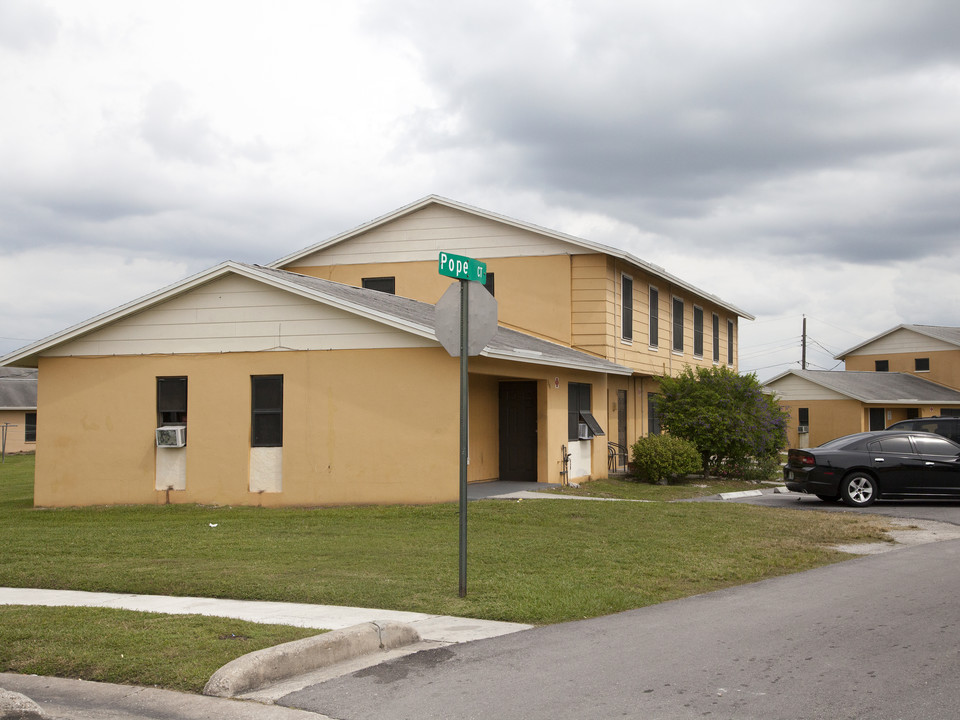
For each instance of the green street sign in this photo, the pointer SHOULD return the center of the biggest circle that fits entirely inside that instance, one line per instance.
(463, 268)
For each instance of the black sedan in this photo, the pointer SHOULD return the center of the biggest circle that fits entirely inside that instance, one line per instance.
(858, 469)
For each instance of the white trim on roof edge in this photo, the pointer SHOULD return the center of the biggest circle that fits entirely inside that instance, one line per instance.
(556, 235)
(31, 352)
(903, 326)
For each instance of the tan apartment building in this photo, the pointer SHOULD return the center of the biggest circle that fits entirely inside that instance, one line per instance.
(319, 379)
(909, 371)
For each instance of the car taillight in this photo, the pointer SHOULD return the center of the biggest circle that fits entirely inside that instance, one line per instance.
(799, 457)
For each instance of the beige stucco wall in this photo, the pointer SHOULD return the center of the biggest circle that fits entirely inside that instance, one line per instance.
(829, 419)
(15, 431)
(341, 441)
(944, 364)
(533, 293)
(360, 426)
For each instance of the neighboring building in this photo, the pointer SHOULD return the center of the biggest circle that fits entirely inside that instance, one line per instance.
(319, 380)
(18, 409)
(907, 372)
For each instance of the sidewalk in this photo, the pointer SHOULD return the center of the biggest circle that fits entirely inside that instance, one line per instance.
(81, 700)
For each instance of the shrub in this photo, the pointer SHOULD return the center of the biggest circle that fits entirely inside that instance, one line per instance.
(727, 416)
(659, 458)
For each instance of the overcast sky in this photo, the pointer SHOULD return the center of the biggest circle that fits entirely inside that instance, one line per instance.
(791, 157)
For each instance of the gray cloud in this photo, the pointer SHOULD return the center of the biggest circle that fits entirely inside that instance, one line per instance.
(663, 114)
(26, 25)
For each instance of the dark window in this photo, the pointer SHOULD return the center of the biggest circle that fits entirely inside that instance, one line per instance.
(912, 413)
(893, 445)
(697, 331)
(950, 412)
(654, 317)
(267, 406)
(626, 299)
(30, 431)
(383, 284)
(882, 365)
(171, 400)
(729, 342)
(716, 338)
(803, 416)
(678, 325)
(934, 446)
(489, 285)
(921, 364)
(653, 416)
(877, 419)
(578, 411)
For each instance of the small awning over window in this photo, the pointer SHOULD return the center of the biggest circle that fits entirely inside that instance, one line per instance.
(587, 417)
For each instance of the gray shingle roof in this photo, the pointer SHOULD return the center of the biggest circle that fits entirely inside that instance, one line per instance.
(506, 344)
(881, 387)
(18, 388)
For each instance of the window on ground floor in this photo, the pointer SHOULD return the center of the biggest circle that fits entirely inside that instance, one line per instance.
(171, 401)
(30, 429)
(581, 424)
(267, 411)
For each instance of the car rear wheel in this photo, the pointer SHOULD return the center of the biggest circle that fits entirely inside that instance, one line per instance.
(858, 490)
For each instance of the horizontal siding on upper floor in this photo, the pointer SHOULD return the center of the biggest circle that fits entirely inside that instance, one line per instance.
(234, 314)
(422, 235)
(903, 341)
(792, 387)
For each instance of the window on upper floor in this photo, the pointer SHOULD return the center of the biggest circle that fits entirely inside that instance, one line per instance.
(382, 284)
(171, 401)
(677, 325)
(626, 308)
(697, 331)
(654, 317)
(921, 364)
(716, 338)
(266, 404)
(882, 366)
(730, 342)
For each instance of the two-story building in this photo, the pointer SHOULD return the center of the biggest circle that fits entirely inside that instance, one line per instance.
(319, 379)
(18, 409)
(909, 371)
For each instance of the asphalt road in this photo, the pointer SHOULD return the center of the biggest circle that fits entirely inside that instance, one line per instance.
(875, 637)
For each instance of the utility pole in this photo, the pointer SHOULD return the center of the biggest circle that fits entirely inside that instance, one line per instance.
(803, 346)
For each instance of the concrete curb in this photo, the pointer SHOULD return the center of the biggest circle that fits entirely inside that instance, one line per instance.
(14, 706)
(263, 667)
(740, 494)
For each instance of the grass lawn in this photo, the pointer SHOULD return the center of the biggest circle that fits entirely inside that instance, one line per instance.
(630, 490)
(529, 561)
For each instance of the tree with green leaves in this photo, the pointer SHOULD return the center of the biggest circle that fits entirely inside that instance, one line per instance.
(726, 415)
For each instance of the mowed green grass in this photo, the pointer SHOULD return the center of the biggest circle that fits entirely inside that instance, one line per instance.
(532, 561)
(178, 652)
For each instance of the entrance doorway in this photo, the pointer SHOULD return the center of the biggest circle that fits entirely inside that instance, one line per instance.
(518, 431)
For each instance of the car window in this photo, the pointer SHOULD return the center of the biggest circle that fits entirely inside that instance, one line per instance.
(896, 444)
(935, 446)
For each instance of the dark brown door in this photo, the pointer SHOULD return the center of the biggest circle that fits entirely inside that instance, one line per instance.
(622, 418)
(518, 431)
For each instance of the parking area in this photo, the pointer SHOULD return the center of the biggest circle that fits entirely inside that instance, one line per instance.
(947, 511)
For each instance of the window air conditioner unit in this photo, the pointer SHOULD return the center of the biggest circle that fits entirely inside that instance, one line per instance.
(172, 436)
(803, 428)
(583, 433)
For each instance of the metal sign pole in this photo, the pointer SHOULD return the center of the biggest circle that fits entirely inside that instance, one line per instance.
(464, 433)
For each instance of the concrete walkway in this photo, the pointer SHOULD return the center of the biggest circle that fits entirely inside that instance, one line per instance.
(57, 698)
